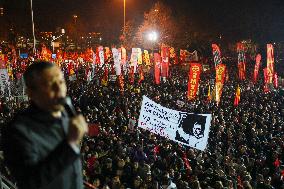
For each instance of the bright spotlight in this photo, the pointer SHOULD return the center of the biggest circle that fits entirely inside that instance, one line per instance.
(153, 36)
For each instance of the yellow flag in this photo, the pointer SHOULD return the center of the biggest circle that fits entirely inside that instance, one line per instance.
(209, 93)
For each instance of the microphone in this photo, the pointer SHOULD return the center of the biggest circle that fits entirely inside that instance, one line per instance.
(68, 105)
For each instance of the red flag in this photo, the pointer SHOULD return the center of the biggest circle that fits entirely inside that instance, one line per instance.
(121, 83)
(237, 97)
(182, 55)
(216, 54)
(277, 163)
(256, 67)
(186, 161)
(156, 149)
(275, 80)
(193, 80)
(240, 182)
(131, 75)
(93, 130)
(265, 86)
(270, 62)
(220, 77)
(241, 60)
(165, 61)
(157, 59)
(209, 94)
(141, 74)
(104, 81)
(100, 56)
(2, 62)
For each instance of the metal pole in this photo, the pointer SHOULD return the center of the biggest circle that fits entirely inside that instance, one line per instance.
(124, 15)
(1, 185)
(33, 26)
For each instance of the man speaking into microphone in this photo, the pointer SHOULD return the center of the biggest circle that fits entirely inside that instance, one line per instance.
(41, 144)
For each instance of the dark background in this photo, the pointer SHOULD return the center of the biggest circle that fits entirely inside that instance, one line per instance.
(233, 19)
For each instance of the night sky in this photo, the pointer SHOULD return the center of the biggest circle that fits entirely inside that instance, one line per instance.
(233, 19)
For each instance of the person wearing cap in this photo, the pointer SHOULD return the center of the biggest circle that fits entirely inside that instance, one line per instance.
(41, 144)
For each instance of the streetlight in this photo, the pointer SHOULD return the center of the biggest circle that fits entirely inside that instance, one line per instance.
(75, 28)
(153, 36)
(75, 18)
(33, 27)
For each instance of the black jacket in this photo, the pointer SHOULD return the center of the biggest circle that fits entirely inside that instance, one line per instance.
(37, 153)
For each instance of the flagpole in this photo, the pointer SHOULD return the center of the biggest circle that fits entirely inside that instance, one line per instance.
(124, 15)
(33, 27)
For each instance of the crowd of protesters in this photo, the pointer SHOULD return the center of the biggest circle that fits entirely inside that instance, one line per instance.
(245, 145)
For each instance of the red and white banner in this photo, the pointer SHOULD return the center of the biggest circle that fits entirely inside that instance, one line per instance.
(216, 54)
(117, 67)
(241, 60)
(270, 62)
(165, 54)
(134, 58)
(157, 60)
(193, 81)
(100, 56)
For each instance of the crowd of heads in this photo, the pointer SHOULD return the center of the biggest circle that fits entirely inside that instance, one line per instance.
(245, 145)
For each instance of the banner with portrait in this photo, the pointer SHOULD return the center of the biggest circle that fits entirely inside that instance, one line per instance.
(185, 128)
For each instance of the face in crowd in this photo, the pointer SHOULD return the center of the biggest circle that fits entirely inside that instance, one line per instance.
(197, 131)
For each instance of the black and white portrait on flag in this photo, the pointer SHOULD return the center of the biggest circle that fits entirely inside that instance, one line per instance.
(186, 128)
(191, 129)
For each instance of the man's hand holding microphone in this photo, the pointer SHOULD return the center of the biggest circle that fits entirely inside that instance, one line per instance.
(78, 126)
